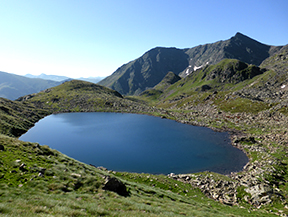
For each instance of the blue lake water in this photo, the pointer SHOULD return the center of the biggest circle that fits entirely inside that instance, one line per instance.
(137, 143)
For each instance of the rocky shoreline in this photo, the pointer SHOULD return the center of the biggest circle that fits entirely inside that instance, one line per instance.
(262, 136)
(258, 182)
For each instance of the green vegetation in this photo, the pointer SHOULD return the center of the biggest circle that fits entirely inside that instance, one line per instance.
(36, 180)
(232, 96)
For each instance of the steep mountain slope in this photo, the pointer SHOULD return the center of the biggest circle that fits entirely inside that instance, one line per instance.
(13, 86)
(146, 71)
(157, 90)
(227, 75)
(274, 86)
(277, 62)
(149, 69)
(169, 79)
(238, 47)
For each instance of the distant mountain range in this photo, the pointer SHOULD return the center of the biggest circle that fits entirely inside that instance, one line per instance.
(49, 77)
(148, 70)
(13, 86)
(64, 78)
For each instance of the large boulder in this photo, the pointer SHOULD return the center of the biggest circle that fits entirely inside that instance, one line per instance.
(205, 87)
(114, 184)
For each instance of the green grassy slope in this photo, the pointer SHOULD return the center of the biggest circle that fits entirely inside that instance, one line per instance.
(249, 102)
(17, 118)
(38, 181)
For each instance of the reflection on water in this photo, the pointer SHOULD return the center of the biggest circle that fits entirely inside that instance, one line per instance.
(137, 143)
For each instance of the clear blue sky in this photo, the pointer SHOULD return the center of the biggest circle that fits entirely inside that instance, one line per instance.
(82, 38)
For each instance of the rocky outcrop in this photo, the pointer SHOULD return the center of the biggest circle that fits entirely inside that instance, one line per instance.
(260, 193)
(114, 184)
(232, 71)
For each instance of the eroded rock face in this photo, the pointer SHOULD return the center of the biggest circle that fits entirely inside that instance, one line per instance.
(114, 184)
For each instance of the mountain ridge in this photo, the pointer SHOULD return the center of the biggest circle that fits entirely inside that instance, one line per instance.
(13, 86)
(143, 73)
(248, 101)
(64, 78)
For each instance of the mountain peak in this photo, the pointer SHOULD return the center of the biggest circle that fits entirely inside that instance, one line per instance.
(241, 36)
(245, 38)
(148, 70)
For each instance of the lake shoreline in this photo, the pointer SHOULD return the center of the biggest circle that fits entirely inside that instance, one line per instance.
(163, 137)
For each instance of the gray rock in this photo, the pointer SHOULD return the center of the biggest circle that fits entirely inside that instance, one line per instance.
(23, 167)
(259, 190)
(114, 184)
(205, 87)
(40, 175)
(102, 168)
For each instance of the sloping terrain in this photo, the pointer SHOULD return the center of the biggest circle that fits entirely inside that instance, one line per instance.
(149, 69)
(249, 101)
(229, 74)
(82, 96)
(13, 86)
(238, 47)
(37, 181)
(146, 71)
(239, 98)
(166, 82)
(17, 118)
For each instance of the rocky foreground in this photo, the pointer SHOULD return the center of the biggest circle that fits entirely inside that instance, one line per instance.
(260, 181)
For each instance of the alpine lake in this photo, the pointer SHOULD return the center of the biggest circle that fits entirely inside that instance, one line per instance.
(137, 143)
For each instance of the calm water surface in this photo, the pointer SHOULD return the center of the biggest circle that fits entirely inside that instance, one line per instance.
(137, 143)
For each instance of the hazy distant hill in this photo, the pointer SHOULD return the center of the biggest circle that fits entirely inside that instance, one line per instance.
(92, 79)
(64, 78)
(48, 77)
(148, 70)
(13, 86)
